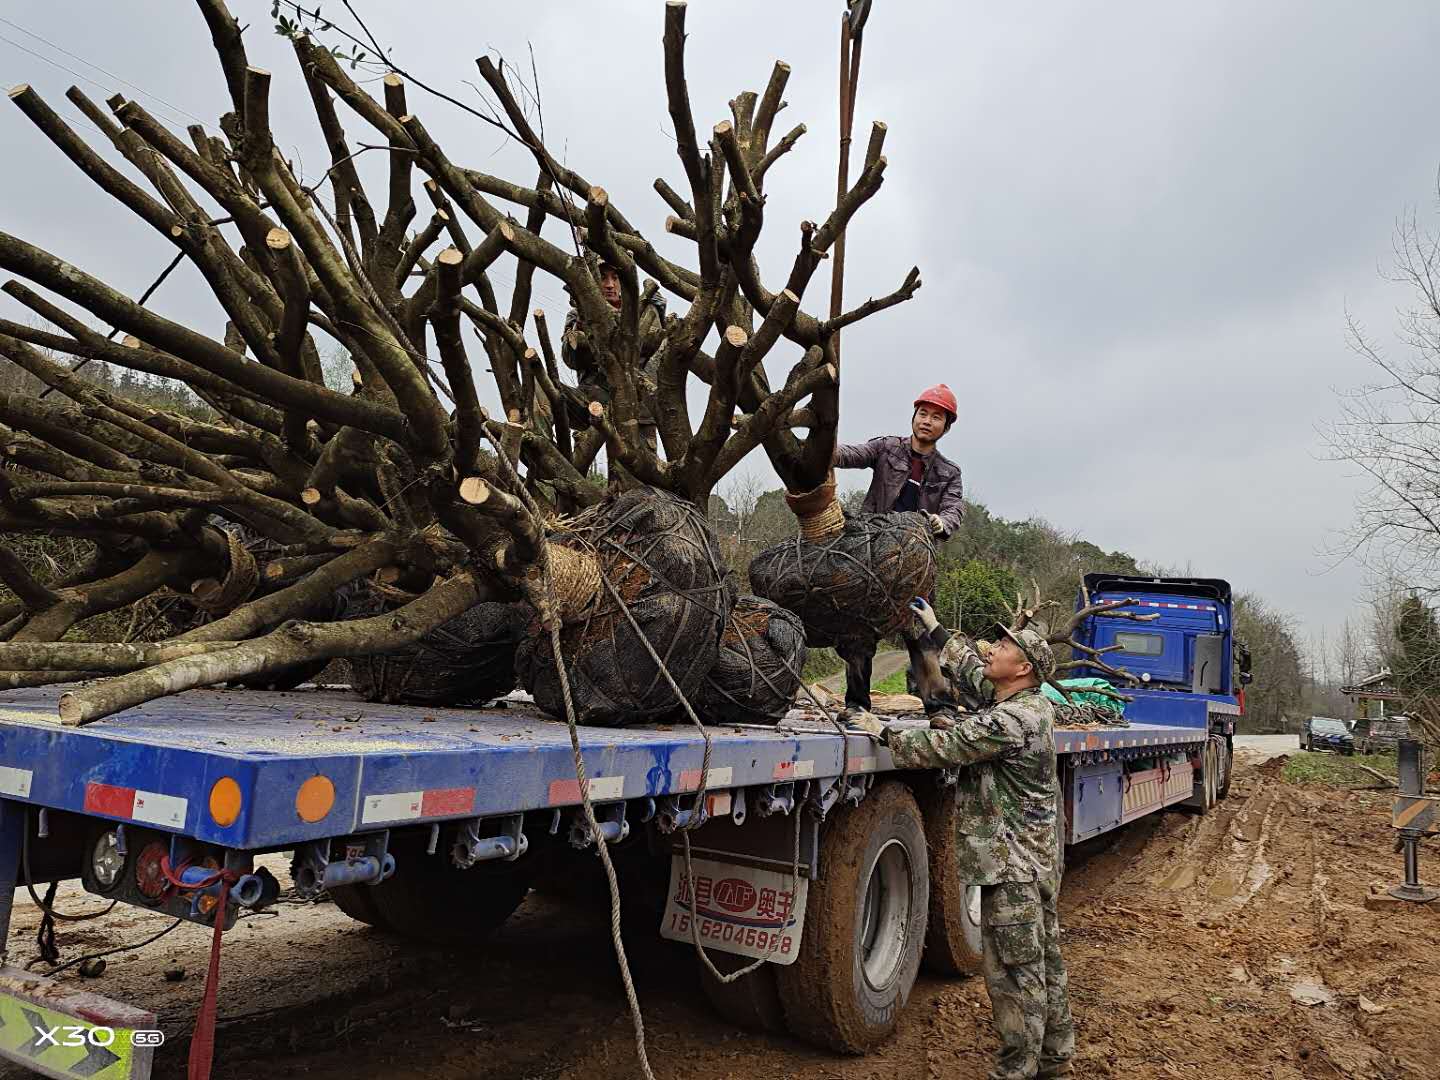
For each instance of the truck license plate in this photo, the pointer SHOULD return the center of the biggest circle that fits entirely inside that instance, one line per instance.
(755, 913)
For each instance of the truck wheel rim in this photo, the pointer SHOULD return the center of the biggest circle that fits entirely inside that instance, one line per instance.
(886, 918)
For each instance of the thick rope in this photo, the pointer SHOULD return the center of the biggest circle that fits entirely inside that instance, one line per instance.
(700, 803)
(552, 624)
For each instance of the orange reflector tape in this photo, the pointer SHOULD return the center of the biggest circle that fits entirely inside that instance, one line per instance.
(1415, 812)
(225, 801)
(315, 798)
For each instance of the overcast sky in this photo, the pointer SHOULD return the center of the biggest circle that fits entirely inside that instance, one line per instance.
(1140, 225)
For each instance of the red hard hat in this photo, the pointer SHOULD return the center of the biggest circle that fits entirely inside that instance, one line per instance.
(940, 396)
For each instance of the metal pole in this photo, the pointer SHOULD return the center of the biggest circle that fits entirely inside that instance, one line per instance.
(851, 27)
(837, 267)
(1410, 765)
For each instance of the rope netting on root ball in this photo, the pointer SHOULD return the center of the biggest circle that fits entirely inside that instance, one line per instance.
(467, 661)
(659, 558)
(757, 675)
(854, 584)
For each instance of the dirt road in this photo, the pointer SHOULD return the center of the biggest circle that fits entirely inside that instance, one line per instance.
(1189, 941)
(1258, 748)
(887, 662)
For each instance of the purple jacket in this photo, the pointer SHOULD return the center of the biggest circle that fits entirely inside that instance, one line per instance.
(941, 492)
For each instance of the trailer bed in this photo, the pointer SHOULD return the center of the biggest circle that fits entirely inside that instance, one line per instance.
(389, 764)
(395, 765)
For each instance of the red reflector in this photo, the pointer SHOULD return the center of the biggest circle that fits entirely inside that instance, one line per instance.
(110, 800)
(447, 801)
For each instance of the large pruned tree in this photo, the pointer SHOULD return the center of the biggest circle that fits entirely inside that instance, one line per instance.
(401, 479)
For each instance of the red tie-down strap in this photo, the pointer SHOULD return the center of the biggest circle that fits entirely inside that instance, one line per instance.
(202, 1043)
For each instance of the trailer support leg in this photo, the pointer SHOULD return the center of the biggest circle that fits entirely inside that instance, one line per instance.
(12, 835)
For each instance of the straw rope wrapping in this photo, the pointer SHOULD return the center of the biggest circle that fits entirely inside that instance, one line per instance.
(700, 802)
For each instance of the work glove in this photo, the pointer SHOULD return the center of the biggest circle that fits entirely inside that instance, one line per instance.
(937, 525)
(925, 613)
(865, 723)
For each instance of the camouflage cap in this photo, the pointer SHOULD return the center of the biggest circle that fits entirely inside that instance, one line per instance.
(1036, 649)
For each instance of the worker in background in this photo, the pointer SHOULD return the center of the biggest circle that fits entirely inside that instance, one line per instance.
(593, 380)
(1008, 841)
(910, 473)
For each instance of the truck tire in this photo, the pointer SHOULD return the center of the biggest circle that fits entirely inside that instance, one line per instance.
(864, 925)
(952, 938)
(1212, 768)
(1225, 755)
(358, 902)
(1202, 792)
(752, 1002)
(428, 898)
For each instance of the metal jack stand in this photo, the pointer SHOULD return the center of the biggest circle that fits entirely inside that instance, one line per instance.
(1416, 815)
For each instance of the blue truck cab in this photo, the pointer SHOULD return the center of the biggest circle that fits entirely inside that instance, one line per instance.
(1175, 636)
(1185, 642)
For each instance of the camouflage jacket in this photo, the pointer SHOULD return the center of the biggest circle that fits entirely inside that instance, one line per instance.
(1007, 789)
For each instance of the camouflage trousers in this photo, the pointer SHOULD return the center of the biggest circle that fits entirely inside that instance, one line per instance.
(1025, 974)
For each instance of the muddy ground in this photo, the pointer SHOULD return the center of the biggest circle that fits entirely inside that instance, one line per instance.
(1234, 945)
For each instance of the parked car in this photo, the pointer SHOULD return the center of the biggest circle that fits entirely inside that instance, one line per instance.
(1323, 733)
(1384, 735)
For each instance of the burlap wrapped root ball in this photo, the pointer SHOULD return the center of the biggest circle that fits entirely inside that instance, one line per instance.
(756, 677)
(469, 660)
(855, 585)
(662, 562)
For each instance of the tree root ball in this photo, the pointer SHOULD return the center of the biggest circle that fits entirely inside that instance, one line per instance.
(756, 677)
(855, 586)
(467, 661)
(660, 557)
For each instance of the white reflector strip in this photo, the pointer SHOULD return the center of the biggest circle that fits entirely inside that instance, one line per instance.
(397, 806)
(167, 810)
(15, 781)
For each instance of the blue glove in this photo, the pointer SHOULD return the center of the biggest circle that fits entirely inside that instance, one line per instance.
(924, 612)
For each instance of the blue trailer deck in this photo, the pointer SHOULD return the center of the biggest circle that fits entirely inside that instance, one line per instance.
(388, 764)
(391, 765)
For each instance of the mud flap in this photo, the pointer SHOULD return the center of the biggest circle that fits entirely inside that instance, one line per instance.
(755, 913)
(55, 1031)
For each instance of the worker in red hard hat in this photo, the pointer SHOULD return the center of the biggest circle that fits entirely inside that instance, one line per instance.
(911, 473)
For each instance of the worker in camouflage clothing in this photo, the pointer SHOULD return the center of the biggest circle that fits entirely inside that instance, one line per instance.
(1008, 841)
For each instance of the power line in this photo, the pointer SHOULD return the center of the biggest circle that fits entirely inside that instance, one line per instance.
(109, 74)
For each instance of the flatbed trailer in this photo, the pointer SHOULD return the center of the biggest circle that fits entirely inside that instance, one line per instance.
(811, 851)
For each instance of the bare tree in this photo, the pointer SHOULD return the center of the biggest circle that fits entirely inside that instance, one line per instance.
(1389, 429)
(401, 478)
